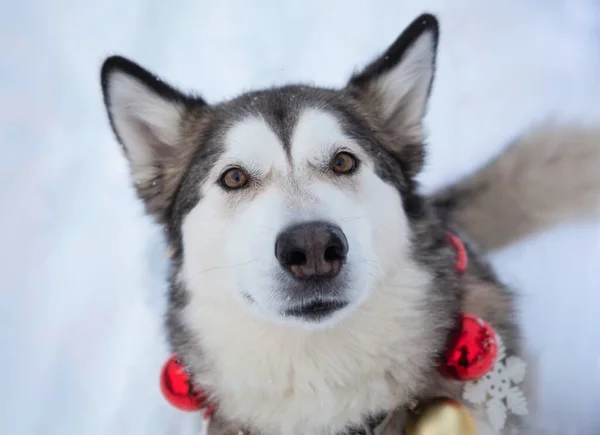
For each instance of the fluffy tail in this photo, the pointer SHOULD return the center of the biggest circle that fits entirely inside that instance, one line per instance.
(547, 176)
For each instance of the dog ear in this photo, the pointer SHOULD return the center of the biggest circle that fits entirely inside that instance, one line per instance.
(147, 117)
(395, 88)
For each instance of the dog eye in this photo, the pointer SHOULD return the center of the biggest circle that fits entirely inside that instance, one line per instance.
(234, 178)
(344, 163)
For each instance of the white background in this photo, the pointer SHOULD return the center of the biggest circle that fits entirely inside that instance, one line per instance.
(83, 271)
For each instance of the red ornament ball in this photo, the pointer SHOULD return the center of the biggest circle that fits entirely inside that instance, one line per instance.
(177, 387)
(472, 349)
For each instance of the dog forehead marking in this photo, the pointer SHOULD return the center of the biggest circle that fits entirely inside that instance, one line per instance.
(253, 142)
(316, 134)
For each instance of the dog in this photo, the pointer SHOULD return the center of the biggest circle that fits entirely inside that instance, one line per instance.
(312, 286)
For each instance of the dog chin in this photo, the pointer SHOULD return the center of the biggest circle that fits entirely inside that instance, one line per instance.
(316, 314)
(312, 315)
(320, 321)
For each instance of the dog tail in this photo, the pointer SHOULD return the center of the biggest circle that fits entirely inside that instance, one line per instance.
(549, 175)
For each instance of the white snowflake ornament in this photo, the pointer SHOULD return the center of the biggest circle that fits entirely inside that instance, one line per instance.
(499, 389)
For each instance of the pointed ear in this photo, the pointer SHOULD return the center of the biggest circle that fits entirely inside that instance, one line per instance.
(396, 87)
(147, 117)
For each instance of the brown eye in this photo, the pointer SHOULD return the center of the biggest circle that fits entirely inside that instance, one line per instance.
(344, 163)
(234, 178)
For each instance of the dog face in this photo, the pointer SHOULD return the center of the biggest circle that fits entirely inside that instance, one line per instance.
(289, 222)
(291, 202)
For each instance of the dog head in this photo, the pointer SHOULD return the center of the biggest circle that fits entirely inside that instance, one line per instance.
(294, 203)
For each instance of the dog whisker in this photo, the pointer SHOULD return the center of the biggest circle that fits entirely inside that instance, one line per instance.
(353, 218)
(233, 266)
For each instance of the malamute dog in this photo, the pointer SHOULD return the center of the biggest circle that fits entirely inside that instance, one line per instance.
(314, 289)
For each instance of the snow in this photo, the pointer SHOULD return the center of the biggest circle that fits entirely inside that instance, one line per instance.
(83, 288)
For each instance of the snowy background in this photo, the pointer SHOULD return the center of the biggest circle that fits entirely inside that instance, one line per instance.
(83, 270)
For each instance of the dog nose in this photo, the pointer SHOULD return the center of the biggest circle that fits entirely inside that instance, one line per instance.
(312, 250)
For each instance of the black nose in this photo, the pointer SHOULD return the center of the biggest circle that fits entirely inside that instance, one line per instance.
(312, 250)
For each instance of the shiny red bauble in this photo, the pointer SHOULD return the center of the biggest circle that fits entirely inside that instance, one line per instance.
(177, 387)
(471, 351)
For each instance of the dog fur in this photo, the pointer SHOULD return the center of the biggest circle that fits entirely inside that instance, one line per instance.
(273, 373)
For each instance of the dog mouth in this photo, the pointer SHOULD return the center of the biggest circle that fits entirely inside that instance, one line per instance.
(315, 310)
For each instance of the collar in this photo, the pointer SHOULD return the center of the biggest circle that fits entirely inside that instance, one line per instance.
(470, 354)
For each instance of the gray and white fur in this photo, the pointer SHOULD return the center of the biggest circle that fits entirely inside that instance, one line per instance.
(312, 284)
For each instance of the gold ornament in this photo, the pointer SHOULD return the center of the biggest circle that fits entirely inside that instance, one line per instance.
(442, 416)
